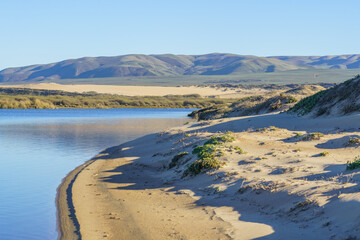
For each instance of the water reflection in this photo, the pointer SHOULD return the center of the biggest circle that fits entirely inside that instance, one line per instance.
(36, 154)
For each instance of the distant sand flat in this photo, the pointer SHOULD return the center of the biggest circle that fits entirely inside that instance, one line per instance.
(138, 90)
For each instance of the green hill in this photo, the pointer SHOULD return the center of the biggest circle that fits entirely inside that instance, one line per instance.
(169, 65)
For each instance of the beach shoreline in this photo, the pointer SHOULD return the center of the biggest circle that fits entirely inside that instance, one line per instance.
(280, 188)
(67, 226)
(69, 214)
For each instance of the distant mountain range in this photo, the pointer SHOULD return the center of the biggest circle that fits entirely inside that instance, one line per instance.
(173, 65)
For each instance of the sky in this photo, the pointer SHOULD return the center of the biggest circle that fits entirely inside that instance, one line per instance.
(44, 31)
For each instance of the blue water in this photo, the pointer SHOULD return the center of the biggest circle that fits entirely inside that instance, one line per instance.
(39, 147)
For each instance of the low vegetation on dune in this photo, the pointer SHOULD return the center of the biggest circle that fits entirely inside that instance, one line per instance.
(307, 104)
(51, 99)
(324, 154)
(312, 136)
(353, 142)
(176, 159)
(339, 100)
(208, 154)
(279, 100)
(354, 164)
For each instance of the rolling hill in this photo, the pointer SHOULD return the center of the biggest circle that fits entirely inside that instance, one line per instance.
(169, 65)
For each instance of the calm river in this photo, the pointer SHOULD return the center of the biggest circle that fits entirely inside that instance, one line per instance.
(39, 147)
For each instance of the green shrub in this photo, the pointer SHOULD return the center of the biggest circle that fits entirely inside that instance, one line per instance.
(323, 154)
(216, 140)
(239, 150)
(176, 158)
(208, 152)
(312, 136)
(298, 134)
(204, 164)
(273, 128)
(354, 164)
(353, 141)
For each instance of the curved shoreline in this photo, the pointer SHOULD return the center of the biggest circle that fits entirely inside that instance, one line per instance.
(138, 213)
(68, 226)
(275, 191)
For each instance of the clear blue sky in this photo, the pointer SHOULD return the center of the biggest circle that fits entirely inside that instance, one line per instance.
(43, 31)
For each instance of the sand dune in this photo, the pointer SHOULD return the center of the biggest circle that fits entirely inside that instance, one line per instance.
(281, 188)
(142, 90)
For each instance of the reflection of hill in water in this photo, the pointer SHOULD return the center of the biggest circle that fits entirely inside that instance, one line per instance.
(94, 136)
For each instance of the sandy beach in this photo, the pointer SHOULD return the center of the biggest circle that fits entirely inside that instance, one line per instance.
(282, 185)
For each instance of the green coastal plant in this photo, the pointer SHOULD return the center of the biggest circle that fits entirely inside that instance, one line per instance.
(176, 158)
(353, 141)
(298, 134)
(273, 128)
(305, 105)
(324, 154)
(239, 150)
(354, 164)
(208, 154)
(312, 136)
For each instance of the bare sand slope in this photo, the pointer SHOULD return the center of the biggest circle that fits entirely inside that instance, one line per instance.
(140, 90)
(281, 188)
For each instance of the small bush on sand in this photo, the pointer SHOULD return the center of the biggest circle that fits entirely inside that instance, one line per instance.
(323, 154)
(312, 136)
(297, 134)
(353, 142)
(208, 152)
(354, 164)
(220, 139)
(204, 164)
(176, 158)
(273, 128)
(304, 205)
(239, 150)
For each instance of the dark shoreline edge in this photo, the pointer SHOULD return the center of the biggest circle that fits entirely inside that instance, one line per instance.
(68, 226)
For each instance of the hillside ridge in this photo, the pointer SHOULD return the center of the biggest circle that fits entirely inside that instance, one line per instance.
(136, 65)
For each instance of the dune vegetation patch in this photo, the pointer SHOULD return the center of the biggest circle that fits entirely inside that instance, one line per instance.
(176, 159)
(305, 105)
(208, 154)
(339, 100)
(298, 134)
(312, 136)
(354, 164)
(324, 154)
(353, 142)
